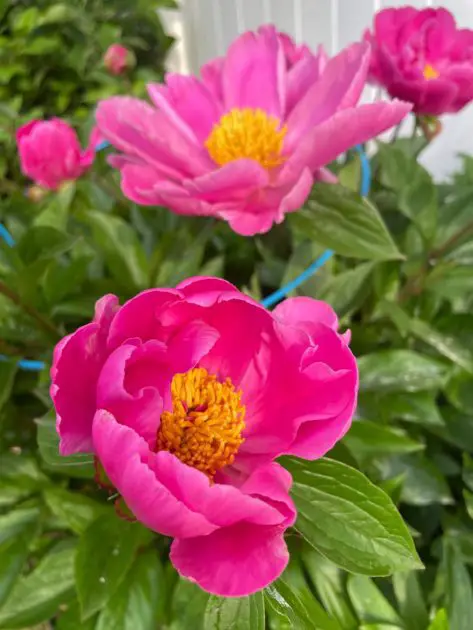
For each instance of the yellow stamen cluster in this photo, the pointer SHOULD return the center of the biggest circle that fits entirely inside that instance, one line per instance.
(430, 72)
(247, 133)
(206, 422)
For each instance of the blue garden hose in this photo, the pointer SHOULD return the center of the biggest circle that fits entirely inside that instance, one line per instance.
(270, 300)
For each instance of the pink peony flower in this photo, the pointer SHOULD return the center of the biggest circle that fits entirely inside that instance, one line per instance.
(187, 396)
(117, 59)
(245, 142)
(50, 153)
(420, 56)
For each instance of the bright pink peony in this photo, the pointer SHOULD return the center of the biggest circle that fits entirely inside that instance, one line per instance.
(187, 396)
(245, 142)
(117, 59)
(421, 57)
(50, 153)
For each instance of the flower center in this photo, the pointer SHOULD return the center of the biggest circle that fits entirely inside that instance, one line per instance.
(206, 422)
(247, 133)
(430, 72)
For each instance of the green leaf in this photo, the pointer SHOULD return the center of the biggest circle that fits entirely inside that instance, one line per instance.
(76, 510)
(138, 603)
(104, 556)
(346, 290)
(369, 603)
(417, 407)
(445, 344)
(48, 443)
(411, 600)
(328, 582)
(22, 472)
(7, 377)
(295, 608)
(440, 621)
(416, 192)
(468, 471)
(370, 439)
(17, 522)
(70, 619)
(36, 597)
(459, 592)
(244, 613)
(450, 281)
(400, 371)
(423, 483)
(459, 391)
(13, 554)
(189, 602)
(340, 219)
(341, 513)
(121, 249)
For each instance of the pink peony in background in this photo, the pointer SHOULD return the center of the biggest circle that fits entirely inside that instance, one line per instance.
(117, 59)
(247, 140)
(421, 56)
(187, 396)
(50, 153)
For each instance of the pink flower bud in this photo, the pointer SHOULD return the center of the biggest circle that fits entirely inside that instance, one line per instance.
(118, 59)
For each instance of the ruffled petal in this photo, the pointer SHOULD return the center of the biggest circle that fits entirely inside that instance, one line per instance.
(77, 362)
(234, 561)
(130, 466)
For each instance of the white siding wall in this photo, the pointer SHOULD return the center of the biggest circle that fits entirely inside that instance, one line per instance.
(206, 27)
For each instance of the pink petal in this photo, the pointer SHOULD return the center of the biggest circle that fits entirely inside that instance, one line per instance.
(77, 362)
(234, 181)
(429, 97)
(300, 78)
(225, 505)
(130, 466)
(254, 74)
(137, 129)
(211, 74)
(205, 291)
(234, 561)
(388, 23)
(339, 86)
(140, 317)
(344, 130)
(188, 103)
(302, 312)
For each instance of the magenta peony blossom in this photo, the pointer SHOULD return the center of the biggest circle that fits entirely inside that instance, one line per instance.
(420, 56)
(50, 153)
(187, 396)
(245, 142)
(117, 59)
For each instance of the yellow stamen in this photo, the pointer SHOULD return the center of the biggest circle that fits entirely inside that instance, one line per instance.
(247, 133)
(206, 422)
(430, 72)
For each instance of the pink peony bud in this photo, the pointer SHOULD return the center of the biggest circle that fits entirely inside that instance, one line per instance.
(50, 153)
(118, 59)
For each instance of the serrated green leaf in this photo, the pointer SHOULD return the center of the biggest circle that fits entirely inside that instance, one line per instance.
(340, 219)
(341, 513)
(244, 613)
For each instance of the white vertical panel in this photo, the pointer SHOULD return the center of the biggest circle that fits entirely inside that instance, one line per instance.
(283, 15)
(352, 24)
(462, 9)
(231, 19)
(402, 3)
(253, 14)
(317, 21)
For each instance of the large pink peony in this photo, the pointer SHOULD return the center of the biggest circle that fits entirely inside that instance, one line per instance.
(187, 396)
(421, 57)
(50, 152)
(245, 142)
